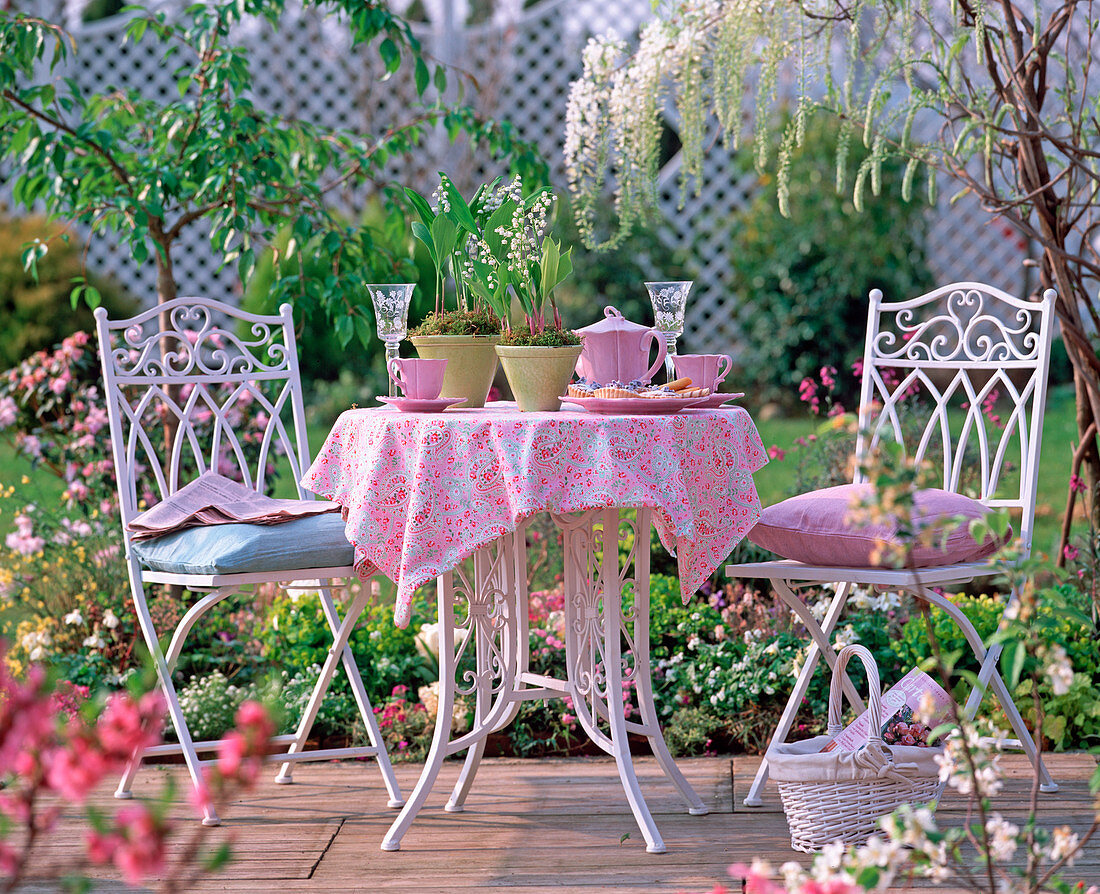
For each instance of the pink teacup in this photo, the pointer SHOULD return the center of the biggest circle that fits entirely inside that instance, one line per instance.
(418, 378)
(704, 370)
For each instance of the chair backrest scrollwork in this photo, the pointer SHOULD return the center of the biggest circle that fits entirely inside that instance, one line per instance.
(195, 385)
(958, 378)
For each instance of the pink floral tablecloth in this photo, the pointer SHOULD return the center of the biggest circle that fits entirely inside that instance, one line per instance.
(421, 492)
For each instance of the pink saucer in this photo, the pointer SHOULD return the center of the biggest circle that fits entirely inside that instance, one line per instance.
(417, 405)
(715, 400)
(633, 406)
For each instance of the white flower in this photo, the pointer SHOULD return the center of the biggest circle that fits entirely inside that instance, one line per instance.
(1057, 667)
(74, 617)
(110, 620)
(95, 641)
(1063, 845)
(1002, 837)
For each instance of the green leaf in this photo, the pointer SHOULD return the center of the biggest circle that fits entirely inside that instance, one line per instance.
(444, 237)
(391, 56)
(459, 211)
(440, 79)
(1054, 728)
(421, 205)
(217, 858)
(421, 232)
(421, 76)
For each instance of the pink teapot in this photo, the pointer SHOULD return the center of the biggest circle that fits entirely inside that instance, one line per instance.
(617, 350)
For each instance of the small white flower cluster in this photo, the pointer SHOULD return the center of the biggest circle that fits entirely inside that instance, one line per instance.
(210, 703)
(36, 644)
(1057, 667)
(441, 204)
(866, 598)
(986, 778)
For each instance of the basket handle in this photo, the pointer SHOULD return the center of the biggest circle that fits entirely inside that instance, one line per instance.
(874, 734)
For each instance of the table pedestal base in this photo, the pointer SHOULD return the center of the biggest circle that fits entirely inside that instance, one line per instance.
(606, 647)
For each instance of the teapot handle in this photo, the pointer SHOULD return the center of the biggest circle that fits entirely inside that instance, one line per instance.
(658, 336)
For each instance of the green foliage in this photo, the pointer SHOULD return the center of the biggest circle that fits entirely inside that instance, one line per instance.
(322, 357)
(802, 281)
(37, 313)
(143, 170)
(1072, 719)
(295, 635)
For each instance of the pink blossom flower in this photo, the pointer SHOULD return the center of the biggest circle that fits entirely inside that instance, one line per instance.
(73, 771)
(125, 727)
(776, 452)
(30, 445)
(1076, 484)
(1070, 552)
(828, 376)
(9, 859)
(141, 851)
(9, 412)
(753, 881)
(22, 540)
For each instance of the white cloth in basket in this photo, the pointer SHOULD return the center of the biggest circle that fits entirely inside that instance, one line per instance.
(803, 762)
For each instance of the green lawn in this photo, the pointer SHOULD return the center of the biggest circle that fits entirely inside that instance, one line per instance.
(773, 481)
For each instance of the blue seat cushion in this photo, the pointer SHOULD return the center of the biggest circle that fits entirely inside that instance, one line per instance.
(316, 541)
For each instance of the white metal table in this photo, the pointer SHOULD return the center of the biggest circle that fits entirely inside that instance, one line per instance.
(449, 496)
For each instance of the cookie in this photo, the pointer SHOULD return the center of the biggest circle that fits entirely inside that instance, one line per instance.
(613, 391)
(679, 384)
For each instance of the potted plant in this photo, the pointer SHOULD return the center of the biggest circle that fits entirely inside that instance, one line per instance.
(538, 356)
(453, 231)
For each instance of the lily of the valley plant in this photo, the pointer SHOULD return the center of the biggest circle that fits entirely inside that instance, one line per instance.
(494, 246)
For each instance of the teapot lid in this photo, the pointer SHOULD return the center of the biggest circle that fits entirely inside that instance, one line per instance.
(613, 321)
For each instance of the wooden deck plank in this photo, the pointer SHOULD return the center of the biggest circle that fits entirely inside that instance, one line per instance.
(529, 826)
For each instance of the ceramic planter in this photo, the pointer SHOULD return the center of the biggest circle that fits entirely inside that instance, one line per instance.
(471, 363)
(538, 376)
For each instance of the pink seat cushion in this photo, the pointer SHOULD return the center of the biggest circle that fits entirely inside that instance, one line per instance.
(816, 528)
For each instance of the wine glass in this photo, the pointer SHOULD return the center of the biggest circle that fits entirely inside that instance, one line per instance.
(391, 313)
(669, 301)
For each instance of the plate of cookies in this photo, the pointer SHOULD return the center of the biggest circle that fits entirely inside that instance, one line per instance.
(636, 397)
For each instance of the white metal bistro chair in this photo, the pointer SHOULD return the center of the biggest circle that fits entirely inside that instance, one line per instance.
(953, 346)
(177, 377)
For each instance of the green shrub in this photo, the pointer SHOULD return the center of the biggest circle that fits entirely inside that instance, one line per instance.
(37, 315)
(296, 636)
(1072, 719)
(802, 282)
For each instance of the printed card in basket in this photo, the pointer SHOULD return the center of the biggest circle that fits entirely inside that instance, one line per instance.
(902, 723)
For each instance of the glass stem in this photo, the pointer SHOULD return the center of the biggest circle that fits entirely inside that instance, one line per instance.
(392, 349)
(670, 366)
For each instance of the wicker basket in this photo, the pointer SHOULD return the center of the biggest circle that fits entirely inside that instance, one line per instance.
(840, 796)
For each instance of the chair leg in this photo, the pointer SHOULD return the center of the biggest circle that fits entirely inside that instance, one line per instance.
(340, 651)
(341, 632)
(790, 711)
(990, 678)
(175, 712)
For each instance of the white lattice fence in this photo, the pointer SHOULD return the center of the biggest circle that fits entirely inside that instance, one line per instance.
(523, 64)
